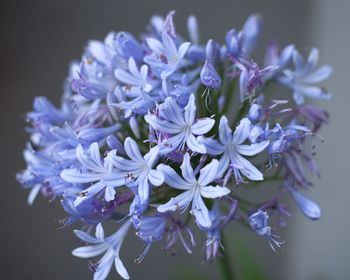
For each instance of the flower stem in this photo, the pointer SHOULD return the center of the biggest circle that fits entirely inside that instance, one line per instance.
(225, 264)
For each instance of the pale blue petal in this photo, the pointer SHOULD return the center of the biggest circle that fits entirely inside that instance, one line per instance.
(33, 194)
(243, 83)
(253, 149)
(187, 170)
(125, 77)
(105, 265)
(82, 235)
(225, 132)
(115, 179)
(312, 60)
(313, 92)
(76, 176)
(99, 233)
(297, 60)
(193, 143)
(155, 177)
(200, 211)
(163, 125)
(208, 173)
(169, 45)
(223, 164)
(212, 146)
(179, 202)
(172, 143)
(94, 152)
(152, 156)
(202, 126)
(309, 208)
(173, 112)
(193, 30)
(183, 49)
(242, 131)
(86, 161)
(190, 110)
(143, 188)
(319, 75)
(90, 251)
(248, 169)
(214, 192)
(88, 193)
(122, 163)
(132, 149)
(109, 193)
(173, 179)
(155, 45)
(133, 67)
(119, 266)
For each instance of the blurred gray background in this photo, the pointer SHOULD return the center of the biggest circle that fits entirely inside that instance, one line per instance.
(38, 40)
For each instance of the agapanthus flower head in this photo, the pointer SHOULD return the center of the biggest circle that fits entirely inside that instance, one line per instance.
(156, 131)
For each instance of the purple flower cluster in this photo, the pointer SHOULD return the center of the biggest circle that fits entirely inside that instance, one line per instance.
(156, 132)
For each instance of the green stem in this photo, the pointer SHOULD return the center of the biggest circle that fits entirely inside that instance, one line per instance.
(226, 266)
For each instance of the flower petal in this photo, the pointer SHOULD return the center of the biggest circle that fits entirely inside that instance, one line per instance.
(76, 176)
(194, 144)
(187, 170)
(309, 208)
(119, 266)
(208, 173)
(155, 177)
(223, 164)
(105, 265)
(100, 234)
(212, 147)
(248, 169)
(122, 163)
(202, 126)
(155, 45)
(163, 125)
(200, 211)
(183, 49)
(172, 143)
(132, 149)
(143, 188)
(115, 179)
(93, 164)
(152, 156)
(173, 112)
(90, 251)
(109, 193)
(190, 110)
(253, 149)
(319, 75)
(88, 193)
(225, 132)
(172, 178)
(242, 131)
(214, 192)
(82, 235)
(179, 202)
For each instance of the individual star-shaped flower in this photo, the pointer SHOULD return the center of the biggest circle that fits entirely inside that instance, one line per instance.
(166, 55)
(304, 78)
(180, 125)
(232, 149)
(93, 170)
(100, 244)
(135, 79)
(138, 170)
(194, 189)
